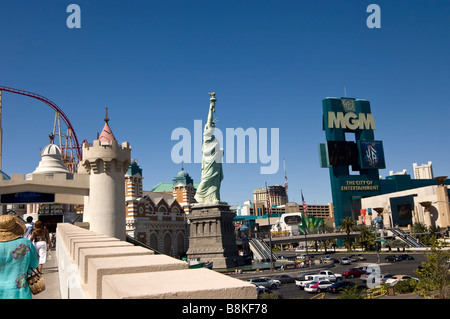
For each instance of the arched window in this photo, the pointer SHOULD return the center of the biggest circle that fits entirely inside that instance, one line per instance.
(163, 209)
(150, 210)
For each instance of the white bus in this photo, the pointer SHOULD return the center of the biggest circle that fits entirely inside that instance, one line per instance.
(288, 222)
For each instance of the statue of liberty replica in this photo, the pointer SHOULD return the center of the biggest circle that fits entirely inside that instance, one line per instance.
(209, 189)
(212, 238)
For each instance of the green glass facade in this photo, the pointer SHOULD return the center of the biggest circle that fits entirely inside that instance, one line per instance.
(354, 159)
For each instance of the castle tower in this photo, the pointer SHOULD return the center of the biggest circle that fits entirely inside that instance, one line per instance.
(133, 181)
(106, 162)
(183, 190)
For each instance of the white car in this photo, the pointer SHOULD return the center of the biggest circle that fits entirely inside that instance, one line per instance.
(308, 279)
(395, 279)
(345, 261)
(318, 286)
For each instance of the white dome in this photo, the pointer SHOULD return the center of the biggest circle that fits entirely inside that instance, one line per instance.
(51, 161)
(52, 150)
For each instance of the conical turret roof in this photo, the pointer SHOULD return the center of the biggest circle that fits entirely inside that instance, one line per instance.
(106, 136)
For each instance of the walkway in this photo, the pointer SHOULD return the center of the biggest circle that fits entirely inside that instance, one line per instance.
(51, 278)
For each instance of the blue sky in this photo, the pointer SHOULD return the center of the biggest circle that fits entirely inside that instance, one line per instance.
(152, 63)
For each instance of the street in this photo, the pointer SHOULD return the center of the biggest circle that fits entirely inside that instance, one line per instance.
(291, 291)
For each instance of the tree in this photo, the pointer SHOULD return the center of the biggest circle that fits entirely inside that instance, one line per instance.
(366, 236)
(347, 225)
(424, 233)
(435, 273)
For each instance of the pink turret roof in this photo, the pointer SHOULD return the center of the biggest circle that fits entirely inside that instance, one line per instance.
(107, 135)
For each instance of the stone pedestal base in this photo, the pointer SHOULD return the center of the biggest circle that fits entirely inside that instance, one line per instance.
(212, 236)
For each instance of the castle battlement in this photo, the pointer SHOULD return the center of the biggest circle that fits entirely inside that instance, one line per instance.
(99, 153)
(100, 147)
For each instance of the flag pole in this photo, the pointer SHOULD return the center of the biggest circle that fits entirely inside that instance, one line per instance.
(270, 228)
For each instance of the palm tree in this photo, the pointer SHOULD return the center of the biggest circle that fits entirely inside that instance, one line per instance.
(365, 236)
(347, 225)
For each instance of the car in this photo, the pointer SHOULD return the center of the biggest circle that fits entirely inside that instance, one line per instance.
(284, 278)
(405, 257)
(353, 258)
(301, 284)
(390, 258)
(334, 260)
(340, 285)
(276, 281)
(353, 272)
(264, 282)
(303, 276)
(329, 275)
(262, 290)
(328, 259)
(318, 286)
(395, 279)
(345, 261)
(361, 257)
(372, 278)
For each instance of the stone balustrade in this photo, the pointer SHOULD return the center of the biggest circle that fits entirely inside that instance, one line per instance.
(94, 266)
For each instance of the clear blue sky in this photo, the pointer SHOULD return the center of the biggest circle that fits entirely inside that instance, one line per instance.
(152, 63)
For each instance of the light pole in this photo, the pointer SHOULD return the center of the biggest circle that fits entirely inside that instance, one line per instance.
(270, 230)
(377, 223)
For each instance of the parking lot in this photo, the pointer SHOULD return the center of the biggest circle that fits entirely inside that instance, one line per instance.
(291, 291)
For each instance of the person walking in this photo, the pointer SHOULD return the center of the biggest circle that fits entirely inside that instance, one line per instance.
(41, 240)
(29, 228)
(17, 256)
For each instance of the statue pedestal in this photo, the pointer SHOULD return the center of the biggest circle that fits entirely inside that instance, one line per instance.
(212, 235)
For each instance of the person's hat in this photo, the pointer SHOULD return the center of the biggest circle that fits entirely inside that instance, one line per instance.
(10, 228)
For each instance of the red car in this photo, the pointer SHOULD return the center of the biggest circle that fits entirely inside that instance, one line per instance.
(353, 272)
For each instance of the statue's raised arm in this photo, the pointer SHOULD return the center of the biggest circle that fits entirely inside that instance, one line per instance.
(212, 109)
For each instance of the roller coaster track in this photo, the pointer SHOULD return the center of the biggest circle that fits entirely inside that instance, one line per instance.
(74, 144)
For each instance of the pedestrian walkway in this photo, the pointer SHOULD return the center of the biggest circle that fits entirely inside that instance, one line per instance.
(51, 278)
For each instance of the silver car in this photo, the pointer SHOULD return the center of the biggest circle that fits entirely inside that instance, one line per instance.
(265, 282)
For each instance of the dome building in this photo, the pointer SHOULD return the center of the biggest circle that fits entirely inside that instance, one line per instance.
(51, 163)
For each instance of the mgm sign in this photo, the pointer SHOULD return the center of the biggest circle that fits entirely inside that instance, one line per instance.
(349, 129)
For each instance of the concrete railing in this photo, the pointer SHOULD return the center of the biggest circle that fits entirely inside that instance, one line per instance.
(94, 266)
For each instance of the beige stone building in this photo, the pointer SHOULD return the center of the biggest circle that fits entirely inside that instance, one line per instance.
(277, 195)
(428, 205)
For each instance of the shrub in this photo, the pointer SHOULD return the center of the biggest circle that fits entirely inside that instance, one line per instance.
(269, 295)
(352, 293)
(405, 286)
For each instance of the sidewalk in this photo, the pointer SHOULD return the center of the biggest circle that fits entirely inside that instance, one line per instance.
(51, 278)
